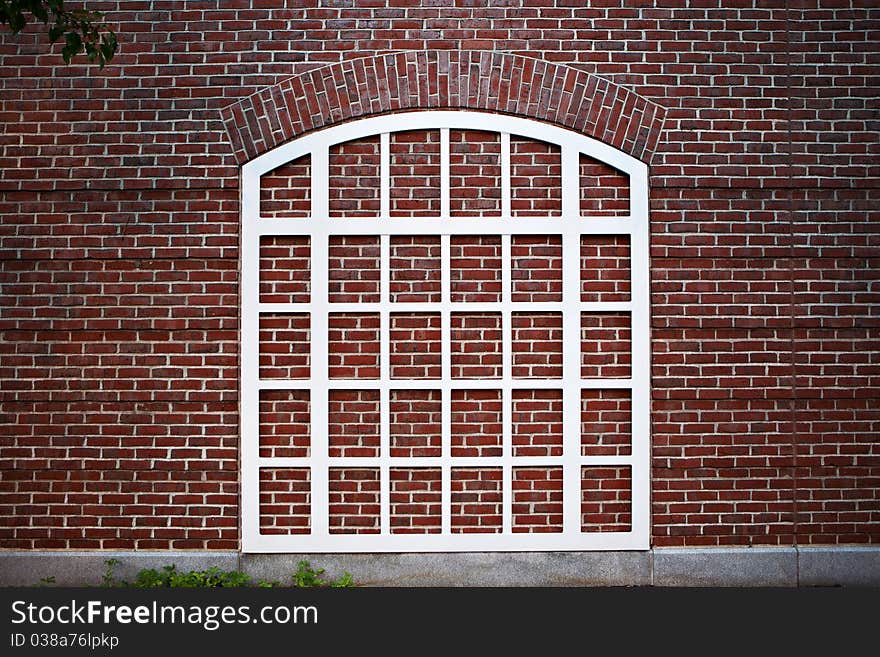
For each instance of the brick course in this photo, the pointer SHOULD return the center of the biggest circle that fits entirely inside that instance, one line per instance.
(476, 423)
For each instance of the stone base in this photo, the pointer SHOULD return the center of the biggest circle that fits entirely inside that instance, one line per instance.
(785, 567)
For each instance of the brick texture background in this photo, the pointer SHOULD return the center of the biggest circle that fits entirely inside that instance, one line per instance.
(119, 224)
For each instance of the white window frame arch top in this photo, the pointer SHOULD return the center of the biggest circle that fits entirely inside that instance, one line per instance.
(571, 225)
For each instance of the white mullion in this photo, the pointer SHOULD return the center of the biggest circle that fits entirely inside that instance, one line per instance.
(428, 307)
(283, 227)
(318, 347)
(440, 461)
(286, 384)
(384, 175)
(428, 225)
(286, 307)
(506, 388)
(384, 384)
(478, 307)
(250, 358)
(431, 384)
(571, 342)
(455, 225)
(606, 384)
(446, 384)
(444, 172)
(640, 322)
(505, 175)
(600, 306)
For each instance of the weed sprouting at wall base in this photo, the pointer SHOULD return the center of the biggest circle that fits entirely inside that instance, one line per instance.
(214, 577)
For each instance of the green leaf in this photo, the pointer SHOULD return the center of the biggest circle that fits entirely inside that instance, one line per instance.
(40, 12)
(16, 22)
(108, 50)
(74, 41)
(81, 28)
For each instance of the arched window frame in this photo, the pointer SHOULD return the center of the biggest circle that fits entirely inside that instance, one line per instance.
(319, 227)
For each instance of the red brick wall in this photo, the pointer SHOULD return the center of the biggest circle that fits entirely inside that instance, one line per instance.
(353, 188)
(474, 174)
(535, 182)
(415, 500)
(536, 270)
(415, 269)
(415, 423)
(476, 425)
(285, 423)
(475, 268)
(285, 501)
(476, 501)
(284, 266)
(537, 500)
(286, 191)
(353, 345)
(415, 173)
(353, 423)
(476, 350)
(354, 500)
(537, 423)
(284, 346)
(354, 269)
(119, 233)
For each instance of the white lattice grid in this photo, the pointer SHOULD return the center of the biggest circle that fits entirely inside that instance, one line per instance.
(571, 226)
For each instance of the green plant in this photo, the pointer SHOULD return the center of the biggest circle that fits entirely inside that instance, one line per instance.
(108, 579)
(47, 581)
(80, 29)
(214, 577)
(169, 577)
(307, 577)
(345, 581)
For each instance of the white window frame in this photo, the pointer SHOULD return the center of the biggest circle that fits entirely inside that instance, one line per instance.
(571, 225)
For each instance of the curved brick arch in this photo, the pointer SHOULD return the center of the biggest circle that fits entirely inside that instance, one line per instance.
(494, 82)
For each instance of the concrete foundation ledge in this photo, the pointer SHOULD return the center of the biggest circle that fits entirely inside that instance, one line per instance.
(771, 566)
(839, 566)
(726, 567)
(467, 568)
(87, 568)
